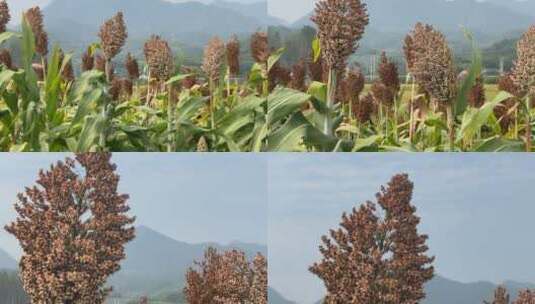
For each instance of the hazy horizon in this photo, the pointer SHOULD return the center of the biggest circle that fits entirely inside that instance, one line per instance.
(476, 209)
(188, 197)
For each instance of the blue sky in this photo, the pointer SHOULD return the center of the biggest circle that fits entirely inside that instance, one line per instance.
(189, 197)
(477, 209)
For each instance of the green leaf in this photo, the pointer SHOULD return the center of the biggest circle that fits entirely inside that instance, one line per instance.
(274, 58)
(474, 119)
(368, 144)
(498, 144)
(316, 49)
(318, 90)
(177, 78)
(5, 36)
(282, 102)
(474, 72)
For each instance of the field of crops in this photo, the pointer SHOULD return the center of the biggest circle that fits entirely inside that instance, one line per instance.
(322, 103)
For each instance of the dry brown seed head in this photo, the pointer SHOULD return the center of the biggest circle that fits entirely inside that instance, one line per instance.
(132, 67)
(524, 68)
(5, 59)
(5, 16)
(341, 24)
(159, 58)
(213, 58)
(260, 47)
(88, 60)
(233, 56)
(34, 17)
(430, 61)
(113, 36)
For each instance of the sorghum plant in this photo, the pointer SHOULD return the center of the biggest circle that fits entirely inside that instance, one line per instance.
(5, 16)
(430, 61)
(374, 259)
(500, 296)
(34, 17)
(72, 228)
(341, 24)
(214, 54)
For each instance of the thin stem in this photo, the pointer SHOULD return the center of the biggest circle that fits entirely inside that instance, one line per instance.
(171, 136)
(212, 100)
(331, 96)
(451, 127)
(528, 124)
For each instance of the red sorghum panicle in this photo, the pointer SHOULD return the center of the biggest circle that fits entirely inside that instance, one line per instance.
(524, 68)
(70, 245)
(260, 47)
(298, 76)
(88, 60)
(214, 53)
(132, 67)
(233, 56)
(34, 17)
(5, 17)
(5, 59)
(159, 58)
(341, 24)
(356, 267)
(388, 74)
(430, 61)
(476, 96)
(113, 36)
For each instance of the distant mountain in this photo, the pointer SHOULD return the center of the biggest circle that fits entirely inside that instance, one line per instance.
(6, 261)
(257, 10)
(274, 297)
(156, 262)
(519, 6)
(441, 290)
(401, 15)
(189, 22)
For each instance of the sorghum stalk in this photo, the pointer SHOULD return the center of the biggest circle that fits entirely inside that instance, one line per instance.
(171, 124)
(260, 52)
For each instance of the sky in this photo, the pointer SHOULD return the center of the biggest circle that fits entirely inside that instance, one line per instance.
(290, 10)
(477, 210)
(190, 197)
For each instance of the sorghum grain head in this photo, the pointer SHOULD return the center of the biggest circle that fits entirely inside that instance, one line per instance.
(524, 68)
(298, 76)
(364, 108)
(382, 94)
(279, 75)
(88, 60)
(159, 58)
(132, 67)
(430, 61)
(214, 53)
(316, 69)
(388, 73)
(260, 47)
(5, 59)
(233, 55)
(34, 17)
(100, 63)
(5, 17)
(476, 96)
(341, 24)
(353, 85)
(113, 36)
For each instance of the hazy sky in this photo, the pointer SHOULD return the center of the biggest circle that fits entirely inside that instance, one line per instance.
(189, 197)
(290, 10)
(477, 209)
